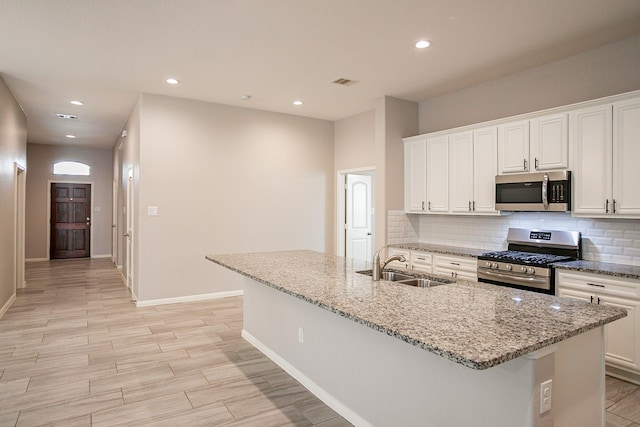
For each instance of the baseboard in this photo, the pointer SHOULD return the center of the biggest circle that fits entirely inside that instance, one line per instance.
(622, 374)
(36, 259)
(101, 256)
(309, 384)
(188, 298)
(4, 308)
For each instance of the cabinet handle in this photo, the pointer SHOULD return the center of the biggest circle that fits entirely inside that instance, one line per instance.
(429, 205)
(524, 164)
(474, 205)
(606, 206)
(591, 298)
(595, 284)
(536, 163)
(421, 259)
(599, 300)
(469, 205)
(454, 263)
(614, 205)
(423, 205)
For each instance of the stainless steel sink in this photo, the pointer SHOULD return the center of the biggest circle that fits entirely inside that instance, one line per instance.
(421, 282)
(392, 276)
(406, 279)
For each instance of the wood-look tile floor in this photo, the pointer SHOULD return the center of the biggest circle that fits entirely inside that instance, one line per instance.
(75, 351)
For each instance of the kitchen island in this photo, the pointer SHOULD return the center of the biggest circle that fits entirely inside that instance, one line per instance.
(383, 353)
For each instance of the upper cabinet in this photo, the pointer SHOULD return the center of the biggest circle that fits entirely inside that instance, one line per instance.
(415, 175)
(605, 148)
(513, 147)
(599, 141)
(532, 145)
(472, 169)
(438, 174)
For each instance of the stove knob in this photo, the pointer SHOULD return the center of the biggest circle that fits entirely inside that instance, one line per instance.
(488, 264)
(495, 265)
(509, 267)
(523, 269)
(530, 270)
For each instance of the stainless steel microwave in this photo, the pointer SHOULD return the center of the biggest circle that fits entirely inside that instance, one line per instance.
(534, 192)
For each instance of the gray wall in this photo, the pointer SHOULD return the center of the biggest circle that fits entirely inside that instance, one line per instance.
(609, 70)
(13, 142)
(225, 179)
(41, 159)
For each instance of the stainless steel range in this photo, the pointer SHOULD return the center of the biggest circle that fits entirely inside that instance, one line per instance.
(527, 264)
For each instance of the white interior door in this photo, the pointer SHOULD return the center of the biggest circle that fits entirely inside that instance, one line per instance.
(358, 230)
(129, 233)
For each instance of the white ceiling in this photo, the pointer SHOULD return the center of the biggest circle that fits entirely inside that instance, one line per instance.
(105, 52)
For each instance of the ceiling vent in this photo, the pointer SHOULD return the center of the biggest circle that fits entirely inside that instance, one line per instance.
(344, 82)
(67, 116)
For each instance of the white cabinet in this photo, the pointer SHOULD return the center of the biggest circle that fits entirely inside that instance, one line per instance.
(438, 174)
(549, 147)
(485, 169)
(461, 172)
(605, 151)
(513, 147)
(591, 150)
(622, 337)
(422, 262)
(626, 157)
(456, 267)
(539, 144)
(472, 169)
(415, 175)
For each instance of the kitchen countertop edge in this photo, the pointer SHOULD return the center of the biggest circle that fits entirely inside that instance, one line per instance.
(470, 363)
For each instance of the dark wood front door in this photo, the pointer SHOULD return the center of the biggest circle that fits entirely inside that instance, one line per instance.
(70, 220)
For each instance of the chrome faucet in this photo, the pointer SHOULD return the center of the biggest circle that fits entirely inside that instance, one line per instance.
(378, 266)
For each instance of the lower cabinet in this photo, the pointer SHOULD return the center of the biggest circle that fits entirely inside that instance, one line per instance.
(422, 262)
(622, 337)
(456, 267)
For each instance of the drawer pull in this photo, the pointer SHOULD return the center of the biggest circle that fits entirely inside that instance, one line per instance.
(596, 284)
(420, 258)
(454, 263)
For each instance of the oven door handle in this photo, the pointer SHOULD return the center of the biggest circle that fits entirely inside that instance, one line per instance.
(528, 280)
(545, 187)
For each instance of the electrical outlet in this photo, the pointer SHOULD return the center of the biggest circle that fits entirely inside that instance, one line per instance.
(545, 396)
(300, 335)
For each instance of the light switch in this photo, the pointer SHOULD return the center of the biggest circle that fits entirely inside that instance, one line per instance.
(152, 211)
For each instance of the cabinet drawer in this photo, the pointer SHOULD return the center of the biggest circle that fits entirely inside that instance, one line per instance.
(456, 263)
(421, 259)
(600, 284)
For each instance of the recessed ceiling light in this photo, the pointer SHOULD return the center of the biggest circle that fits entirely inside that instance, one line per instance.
(172, 81)
(70, 136)
(297, 102)
(423, 44)
(77, 102)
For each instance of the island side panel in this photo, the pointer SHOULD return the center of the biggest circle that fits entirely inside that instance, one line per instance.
(578, 392)
(374, 379)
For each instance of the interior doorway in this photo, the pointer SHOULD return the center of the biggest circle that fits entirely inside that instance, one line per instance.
(20, 192)
(70, 220)
(129, 233)
(356, 214)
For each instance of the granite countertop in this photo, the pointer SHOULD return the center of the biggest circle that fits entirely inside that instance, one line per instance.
(607, 268)
(441, 249)
(475, 324)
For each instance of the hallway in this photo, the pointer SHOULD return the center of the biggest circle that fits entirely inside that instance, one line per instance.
(75, 351)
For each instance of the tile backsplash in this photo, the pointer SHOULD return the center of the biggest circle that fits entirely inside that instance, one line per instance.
(608, 240)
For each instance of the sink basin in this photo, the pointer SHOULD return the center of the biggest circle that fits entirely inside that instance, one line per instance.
(406, 279)
(421, 282)
(392, 276)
